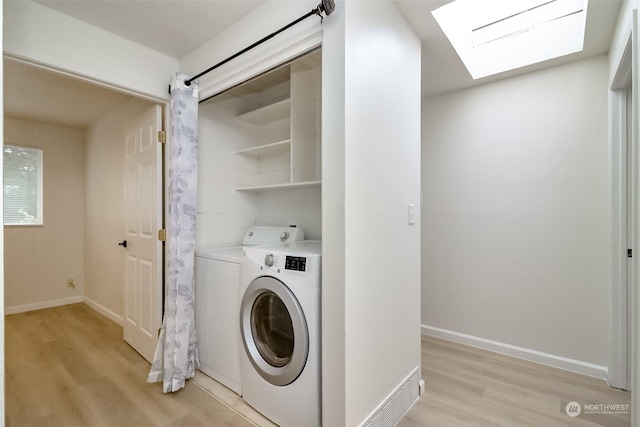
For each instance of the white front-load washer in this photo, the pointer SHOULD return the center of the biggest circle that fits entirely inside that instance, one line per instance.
(280, 329)
(217, 298)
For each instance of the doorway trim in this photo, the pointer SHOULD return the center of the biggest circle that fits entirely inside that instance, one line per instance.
(617, 375)
(164, 102)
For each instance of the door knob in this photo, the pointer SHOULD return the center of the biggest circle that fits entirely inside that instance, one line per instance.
(123, 244)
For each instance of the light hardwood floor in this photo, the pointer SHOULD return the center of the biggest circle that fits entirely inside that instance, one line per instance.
(466, 386)
(68, 366)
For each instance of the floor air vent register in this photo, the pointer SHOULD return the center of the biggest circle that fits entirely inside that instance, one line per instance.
(398, 403)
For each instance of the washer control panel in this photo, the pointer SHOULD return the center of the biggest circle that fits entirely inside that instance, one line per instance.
(295, 263)
(260, 235)
(299, 262)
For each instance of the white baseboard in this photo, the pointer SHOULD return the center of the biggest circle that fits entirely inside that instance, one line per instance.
(104, 311)
(578, 366)
(40, 305)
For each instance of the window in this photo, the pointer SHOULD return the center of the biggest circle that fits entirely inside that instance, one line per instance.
(493, 36)
(22, 185)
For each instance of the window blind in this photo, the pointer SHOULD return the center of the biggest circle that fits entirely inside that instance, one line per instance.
(22, 185)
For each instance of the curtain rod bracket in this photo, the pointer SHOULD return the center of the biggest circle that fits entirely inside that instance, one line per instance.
(326, 6)
(319, 13)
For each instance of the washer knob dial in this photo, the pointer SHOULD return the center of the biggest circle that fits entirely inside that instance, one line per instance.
(270, 260)
(284, 236)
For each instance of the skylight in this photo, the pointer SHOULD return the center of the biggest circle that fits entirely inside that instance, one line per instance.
(493, 36)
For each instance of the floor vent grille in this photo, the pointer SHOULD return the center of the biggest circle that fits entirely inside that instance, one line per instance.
(389, 414)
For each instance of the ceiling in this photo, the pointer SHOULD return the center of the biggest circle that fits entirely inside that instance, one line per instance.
(177, 27)
(47, 97)
(173, 27)
(442, 69)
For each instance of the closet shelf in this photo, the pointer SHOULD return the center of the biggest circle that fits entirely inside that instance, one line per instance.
(277, 187)
(272, 149)
(268, 114)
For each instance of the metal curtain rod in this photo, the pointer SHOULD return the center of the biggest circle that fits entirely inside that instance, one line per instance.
(326, 6)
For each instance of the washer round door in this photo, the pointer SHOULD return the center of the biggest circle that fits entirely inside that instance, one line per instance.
(274, 330)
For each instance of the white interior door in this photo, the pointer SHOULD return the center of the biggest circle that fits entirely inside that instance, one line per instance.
(143, 210)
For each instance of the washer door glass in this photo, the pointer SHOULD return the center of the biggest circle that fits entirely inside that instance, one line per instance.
(274, 330)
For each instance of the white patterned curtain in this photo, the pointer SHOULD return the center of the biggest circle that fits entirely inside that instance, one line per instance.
(176, 357)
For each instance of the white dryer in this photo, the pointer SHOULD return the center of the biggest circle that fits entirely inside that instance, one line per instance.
(217, 298)
(280, 330)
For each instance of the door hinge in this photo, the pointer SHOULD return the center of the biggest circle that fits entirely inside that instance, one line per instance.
(162, 235)
(162, 136)
(629, 253)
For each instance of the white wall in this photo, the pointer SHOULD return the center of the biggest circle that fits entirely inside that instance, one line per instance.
(371, 68)
(516, 216)
(40, 259)
(223, 213)
(49, 38)
(295, 207)
(104, 198)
